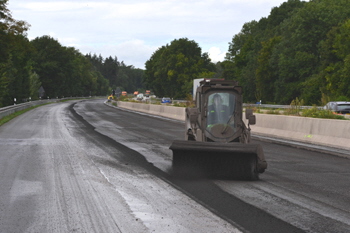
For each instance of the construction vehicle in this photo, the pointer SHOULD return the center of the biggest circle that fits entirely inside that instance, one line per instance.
(110, 98)
(217, 141)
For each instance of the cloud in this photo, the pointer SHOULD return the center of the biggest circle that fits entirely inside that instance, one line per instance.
(216, 54)
(133, 52)
(133, 29)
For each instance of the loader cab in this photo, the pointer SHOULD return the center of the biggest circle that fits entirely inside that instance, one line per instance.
(220, 106)
(221, 115)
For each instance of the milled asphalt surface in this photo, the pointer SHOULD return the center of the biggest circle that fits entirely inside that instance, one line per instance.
(57, 174)
(91, 168)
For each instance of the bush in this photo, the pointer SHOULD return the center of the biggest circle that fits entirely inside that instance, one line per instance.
(321, 113)
(123, 98)
(295, 107)
(273, 111)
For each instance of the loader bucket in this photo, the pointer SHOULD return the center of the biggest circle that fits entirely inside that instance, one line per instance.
(217, 160)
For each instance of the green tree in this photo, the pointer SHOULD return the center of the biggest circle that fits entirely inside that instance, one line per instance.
(299, 56)
(110, 70)
(14, 58)
(289, 55)
(122, 76)
(265, 74)
(64, 71)
(171, 69)
(21, 51)
(9, 27)
(155, 71)
(253, 53)
(35, 84)
(130, 78)
(48, 64)
(334, 77)
(243, 53)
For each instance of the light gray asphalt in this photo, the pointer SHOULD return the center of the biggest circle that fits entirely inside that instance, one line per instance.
(57, 174)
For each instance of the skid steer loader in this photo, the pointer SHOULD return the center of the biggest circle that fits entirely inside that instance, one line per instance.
(217, 141)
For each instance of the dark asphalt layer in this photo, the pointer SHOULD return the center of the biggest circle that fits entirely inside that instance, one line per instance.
(320, 176)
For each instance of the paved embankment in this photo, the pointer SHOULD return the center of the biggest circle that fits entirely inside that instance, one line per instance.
(327, 132)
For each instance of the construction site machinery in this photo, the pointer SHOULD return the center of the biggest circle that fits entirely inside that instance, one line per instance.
(217, 141)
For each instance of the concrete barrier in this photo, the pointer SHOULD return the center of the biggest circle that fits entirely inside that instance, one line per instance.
(177, 113)
(327, 132)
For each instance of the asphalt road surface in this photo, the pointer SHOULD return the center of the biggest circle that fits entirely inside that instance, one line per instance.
(87, 167)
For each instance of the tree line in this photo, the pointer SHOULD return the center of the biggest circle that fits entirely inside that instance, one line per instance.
(44, 64)
(301, 50)
(120, 76)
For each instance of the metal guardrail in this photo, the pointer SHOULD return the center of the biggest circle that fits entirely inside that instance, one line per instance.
(278, 106)
(5, 111)
(286, 107)
(275, 106)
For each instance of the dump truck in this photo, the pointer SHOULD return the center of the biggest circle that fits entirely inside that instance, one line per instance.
(217, 140)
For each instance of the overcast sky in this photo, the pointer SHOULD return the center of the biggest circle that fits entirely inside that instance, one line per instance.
(132, 30)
